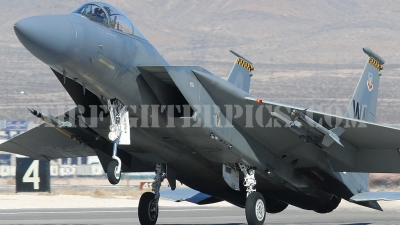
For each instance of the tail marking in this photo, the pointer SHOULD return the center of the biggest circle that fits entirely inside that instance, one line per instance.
(245, 64)
(375, 64)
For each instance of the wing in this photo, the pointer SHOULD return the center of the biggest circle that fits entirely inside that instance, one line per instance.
(46, 142)
(367, 147)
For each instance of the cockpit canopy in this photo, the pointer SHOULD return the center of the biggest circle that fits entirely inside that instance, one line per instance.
(108, 16)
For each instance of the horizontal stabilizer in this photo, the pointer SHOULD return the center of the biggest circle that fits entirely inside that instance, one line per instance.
(189, 195)
(377, 196)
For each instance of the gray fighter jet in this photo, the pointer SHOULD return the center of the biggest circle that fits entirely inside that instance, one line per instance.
(137, 113)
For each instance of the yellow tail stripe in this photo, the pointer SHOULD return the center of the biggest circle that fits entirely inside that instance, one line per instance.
(375, 64)
(245, 64)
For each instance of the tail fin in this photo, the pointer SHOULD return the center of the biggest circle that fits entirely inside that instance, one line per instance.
(364, 101)
(241, 73)
(363, 107)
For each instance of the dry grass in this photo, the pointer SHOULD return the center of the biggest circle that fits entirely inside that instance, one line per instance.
(10, 181)
(99, 192)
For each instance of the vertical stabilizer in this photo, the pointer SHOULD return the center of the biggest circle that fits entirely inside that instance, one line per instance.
(364, 101)
(363, 107)
(241, 73)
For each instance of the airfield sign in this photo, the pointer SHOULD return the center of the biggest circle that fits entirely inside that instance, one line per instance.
(32, 175)
(16, 125)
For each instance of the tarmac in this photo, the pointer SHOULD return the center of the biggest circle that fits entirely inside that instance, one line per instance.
(74, 209)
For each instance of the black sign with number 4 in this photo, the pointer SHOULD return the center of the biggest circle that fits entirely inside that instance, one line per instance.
(32, 175)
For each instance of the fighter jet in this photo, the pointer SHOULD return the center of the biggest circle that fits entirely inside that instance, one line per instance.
(138, 113)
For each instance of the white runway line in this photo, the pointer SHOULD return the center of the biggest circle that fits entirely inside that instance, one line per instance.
(67, 212)
(34, 201)
(99, 211)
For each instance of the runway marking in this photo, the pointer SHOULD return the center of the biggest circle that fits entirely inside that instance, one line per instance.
(71, 212)
(102, 211)
(182, 210)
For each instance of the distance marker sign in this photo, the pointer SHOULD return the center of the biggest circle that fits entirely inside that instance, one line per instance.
(32, 175)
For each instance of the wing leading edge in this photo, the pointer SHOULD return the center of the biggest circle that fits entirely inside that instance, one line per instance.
(47, 142)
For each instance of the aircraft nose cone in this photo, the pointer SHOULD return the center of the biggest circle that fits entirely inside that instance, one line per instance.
(49, 38)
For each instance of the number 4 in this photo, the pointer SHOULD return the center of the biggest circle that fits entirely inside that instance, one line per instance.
(32, 174)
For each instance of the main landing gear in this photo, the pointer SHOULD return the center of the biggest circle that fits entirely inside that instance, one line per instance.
(119, 134)
(255, 202)
(148, 203)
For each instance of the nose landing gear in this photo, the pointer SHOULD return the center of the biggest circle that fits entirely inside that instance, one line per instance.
(119, 134)
(114, 167)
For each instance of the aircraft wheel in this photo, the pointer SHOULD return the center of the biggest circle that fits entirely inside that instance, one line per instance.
(255, 209)
(112, 175)
(148, 209)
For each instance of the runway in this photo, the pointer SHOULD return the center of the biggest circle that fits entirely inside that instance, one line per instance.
(191, 215)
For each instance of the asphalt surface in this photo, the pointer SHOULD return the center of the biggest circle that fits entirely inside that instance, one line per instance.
(192, 215)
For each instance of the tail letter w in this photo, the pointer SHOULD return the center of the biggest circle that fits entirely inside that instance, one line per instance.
(359, 110)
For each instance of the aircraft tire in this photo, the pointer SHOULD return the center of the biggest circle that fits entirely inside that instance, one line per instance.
(255, 209)
(113, 178)
(146, 203)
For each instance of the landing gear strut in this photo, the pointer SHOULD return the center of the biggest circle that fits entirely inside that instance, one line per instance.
(148, 203)
(119, 134)
(249, 179)
(255, 202)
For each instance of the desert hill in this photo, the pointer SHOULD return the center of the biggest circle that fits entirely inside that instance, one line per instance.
(306, 53)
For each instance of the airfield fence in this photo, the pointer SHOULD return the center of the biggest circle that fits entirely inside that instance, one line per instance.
(69, 171)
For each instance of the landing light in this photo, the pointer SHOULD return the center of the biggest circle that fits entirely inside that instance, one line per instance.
(259, 100)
